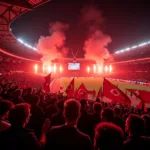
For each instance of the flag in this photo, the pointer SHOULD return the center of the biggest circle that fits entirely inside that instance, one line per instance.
(46, 86)
(91, 94)
(114, 93)
(142, 95)
(61, 88)
(100, 93)
(70, 89)
(81, 92)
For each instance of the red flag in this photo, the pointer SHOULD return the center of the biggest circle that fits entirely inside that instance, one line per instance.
(81, 92)
(91, 93)
(100, 93)
(46, 86)
(61, 88)
(114, 93)
(70, 89)
(142, 95)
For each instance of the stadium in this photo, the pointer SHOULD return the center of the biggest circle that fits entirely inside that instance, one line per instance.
(134, 60)
(52, 97)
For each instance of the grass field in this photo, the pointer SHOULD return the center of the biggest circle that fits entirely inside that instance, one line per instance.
(96, 83)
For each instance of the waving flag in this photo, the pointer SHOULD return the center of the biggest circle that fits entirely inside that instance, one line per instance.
(144, 96)
(70, 89)
(114, 93)
(100, 93)
(81, 92)
(46, 86)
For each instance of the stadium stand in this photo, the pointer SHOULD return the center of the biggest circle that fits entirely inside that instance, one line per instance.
(9, 11)
(131, 65)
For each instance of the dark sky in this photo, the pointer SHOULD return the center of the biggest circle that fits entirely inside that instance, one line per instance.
(126, 21)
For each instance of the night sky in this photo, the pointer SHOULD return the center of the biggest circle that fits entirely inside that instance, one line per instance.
(126, 21)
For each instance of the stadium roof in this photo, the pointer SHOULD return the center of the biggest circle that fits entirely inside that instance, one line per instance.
(9, 11)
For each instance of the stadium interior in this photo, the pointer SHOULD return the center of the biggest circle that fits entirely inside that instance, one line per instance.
(94, 106)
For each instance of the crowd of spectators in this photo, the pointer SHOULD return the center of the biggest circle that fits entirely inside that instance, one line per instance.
(31, 119)
(133, 71)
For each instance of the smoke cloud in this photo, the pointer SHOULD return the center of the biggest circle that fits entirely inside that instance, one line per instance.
(95, 46)
(53, 46)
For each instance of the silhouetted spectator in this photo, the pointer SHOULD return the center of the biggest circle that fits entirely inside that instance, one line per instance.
(5, 107)
(107, 115)
(17, 136)
(58, 118)
(108, 136)
(52, 108)
(29, 96)
(67, 136)
(135, 130)
(37, 117)
(98, 100)
(95, 117)
(146, 124)
(118, 119)
(84, 123)
(17, 97)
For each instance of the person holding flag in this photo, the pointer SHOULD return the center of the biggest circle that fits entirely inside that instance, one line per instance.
(46, 86)
(70, 89)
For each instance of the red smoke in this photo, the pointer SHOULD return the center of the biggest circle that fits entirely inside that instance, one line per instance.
(53, 46)
(95, 46)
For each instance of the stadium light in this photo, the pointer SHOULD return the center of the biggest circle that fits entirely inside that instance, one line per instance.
(110, 68)
(34, 48)
(94, 68)
(49, 69)
(20, 40)
(25, 44)
(43, 68)
(121, 50)
(100, 69)
(35, 68)
(142, 44)
(60, 69)
(133, 47)
(54, 68)
(88, 69)
(127, 49)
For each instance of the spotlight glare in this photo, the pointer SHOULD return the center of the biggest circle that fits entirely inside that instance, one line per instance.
(142, 44)
(127, 49)
(106, 69)
(35, 68)
(134, 47)
(94, 68)
(88, 69)
(49, 69)
(100, 69)
(20, 40)
(110, 68)
(60, 69)
(54, 68)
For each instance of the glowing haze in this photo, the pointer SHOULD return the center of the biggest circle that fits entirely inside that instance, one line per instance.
(53, 46)
(95, 46)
